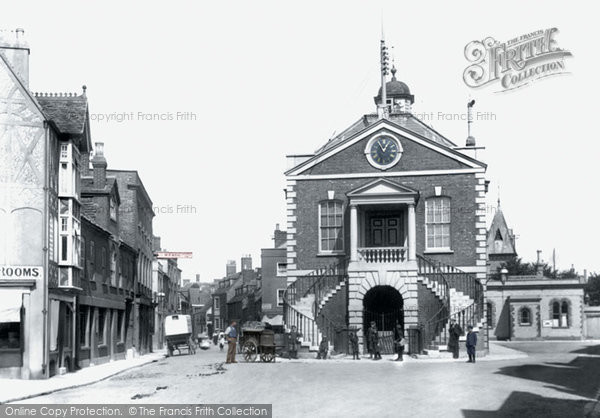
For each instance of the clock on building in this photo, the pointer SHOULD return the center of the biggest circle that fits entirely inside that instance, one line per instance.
(383, 151)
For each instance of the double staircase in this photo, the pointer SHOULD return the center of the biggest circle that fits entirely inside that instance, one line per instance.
(304, 301)
(460, 297)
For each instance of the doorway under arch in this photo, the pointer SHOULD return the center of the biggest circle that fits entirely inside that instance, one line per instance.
(385, 306)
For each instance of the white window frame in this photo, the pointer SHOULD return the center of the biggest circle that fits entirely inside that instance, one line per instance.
(320, 227)
(64, 152)
(530, 313)
(113, 208)
(281, 269)
(217, 303)
(280, 296)
(428, 202)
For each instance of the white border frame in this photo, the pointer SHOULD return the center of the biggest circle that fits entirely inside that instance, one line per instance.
(319, 248)
(440, 250)
(370, 144)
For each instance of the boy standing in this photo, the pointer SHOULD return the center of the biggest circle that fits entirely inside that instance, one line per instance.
(471, 344)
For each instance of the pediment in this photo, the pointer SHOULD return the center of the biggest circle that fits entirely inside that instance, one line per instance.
(420, 154)
(383, 187)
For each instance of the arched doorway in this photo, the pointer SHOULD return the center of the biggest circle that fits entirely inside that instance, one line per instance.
(383, 305)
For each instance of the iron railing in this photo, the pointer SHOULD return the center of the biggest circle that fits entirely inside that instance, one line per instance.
(319, 282)
(435, 330)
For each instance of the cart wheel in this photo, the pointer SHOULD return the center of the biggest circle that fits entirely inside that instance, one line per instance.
(250, 350)
(267, 357)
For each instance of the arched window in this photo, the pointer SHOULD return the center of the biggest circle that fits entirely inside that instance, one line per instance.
(331, 226)
(560, 314)
(525, 316)
(564, 314)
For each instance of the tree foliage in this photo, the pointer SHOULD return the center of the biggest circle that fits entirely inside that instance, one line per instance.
(592, 289)
(517, 267)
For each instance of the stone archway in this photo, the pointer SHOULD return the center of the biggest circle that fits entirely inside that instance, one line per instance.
(404, 282)
(384, 306)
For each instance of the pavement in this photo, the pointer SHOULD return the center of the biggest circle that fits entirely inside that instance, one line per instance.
(555, 379)
(12, 390)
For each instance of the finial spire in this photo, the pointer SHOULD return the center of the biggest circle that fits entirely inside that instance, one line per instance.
(385, 66)
(498, 196)
(470, 139)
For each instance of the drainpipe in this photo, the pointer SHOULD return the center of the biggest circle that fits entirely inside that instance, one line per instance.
(45, 261)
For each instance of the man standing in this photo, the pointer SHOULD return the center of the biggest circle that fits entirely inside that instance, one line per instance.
(293, 343)
(471, 344)
(399, 341)
(354, 345)
(374, 341)
(231, 334)
(455, 332)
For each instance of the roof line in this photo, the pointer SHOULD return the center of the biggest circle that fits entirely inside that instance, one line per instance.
(20, 82)
(379, 122)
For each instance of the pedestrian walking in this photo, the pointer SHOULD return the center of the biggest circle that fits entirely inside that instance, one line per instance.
(354, 344)
(454, 332)
(399, 341)
(231, 333)
(471, 344)
(323, 349)
(293, 343)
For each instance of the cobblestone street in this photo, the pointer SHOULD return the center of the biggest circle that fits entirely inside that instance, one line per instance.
(556, 379)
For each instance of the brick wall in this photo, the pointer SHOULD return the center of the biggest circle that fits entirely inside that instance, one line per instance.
(336, 307)
(270, 281)
(414, 157)
(459, 187)
(429, 304)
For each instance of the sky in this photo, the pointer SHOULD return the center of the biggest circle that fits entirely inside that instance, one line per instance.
(205, 100)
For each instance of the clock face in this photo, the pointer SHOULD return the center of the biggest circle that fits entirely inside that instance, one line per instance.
(384, 151)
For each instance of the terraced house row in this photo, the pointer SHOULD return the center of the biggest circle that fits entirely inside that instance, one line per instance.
(76, 248)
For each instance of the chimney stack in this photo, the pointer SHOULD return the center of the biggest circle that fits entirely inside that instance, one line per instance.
(246, 262)
(16, 50)
(470, 139)
(156, 243)
(197, 278)
(280, 237)
(230, 268)
(99, 165)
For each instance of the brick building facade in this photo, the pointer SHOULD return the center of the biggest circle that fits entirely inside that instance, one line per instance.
(386, 223)
(274, 280)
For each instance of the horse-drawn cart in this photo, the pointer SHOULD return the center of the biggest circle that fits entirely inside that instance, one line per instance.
(178, 332)
(256, 340)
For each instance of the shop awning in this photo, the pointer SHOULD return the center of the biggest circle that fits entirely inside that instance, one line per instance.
(11, 301)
